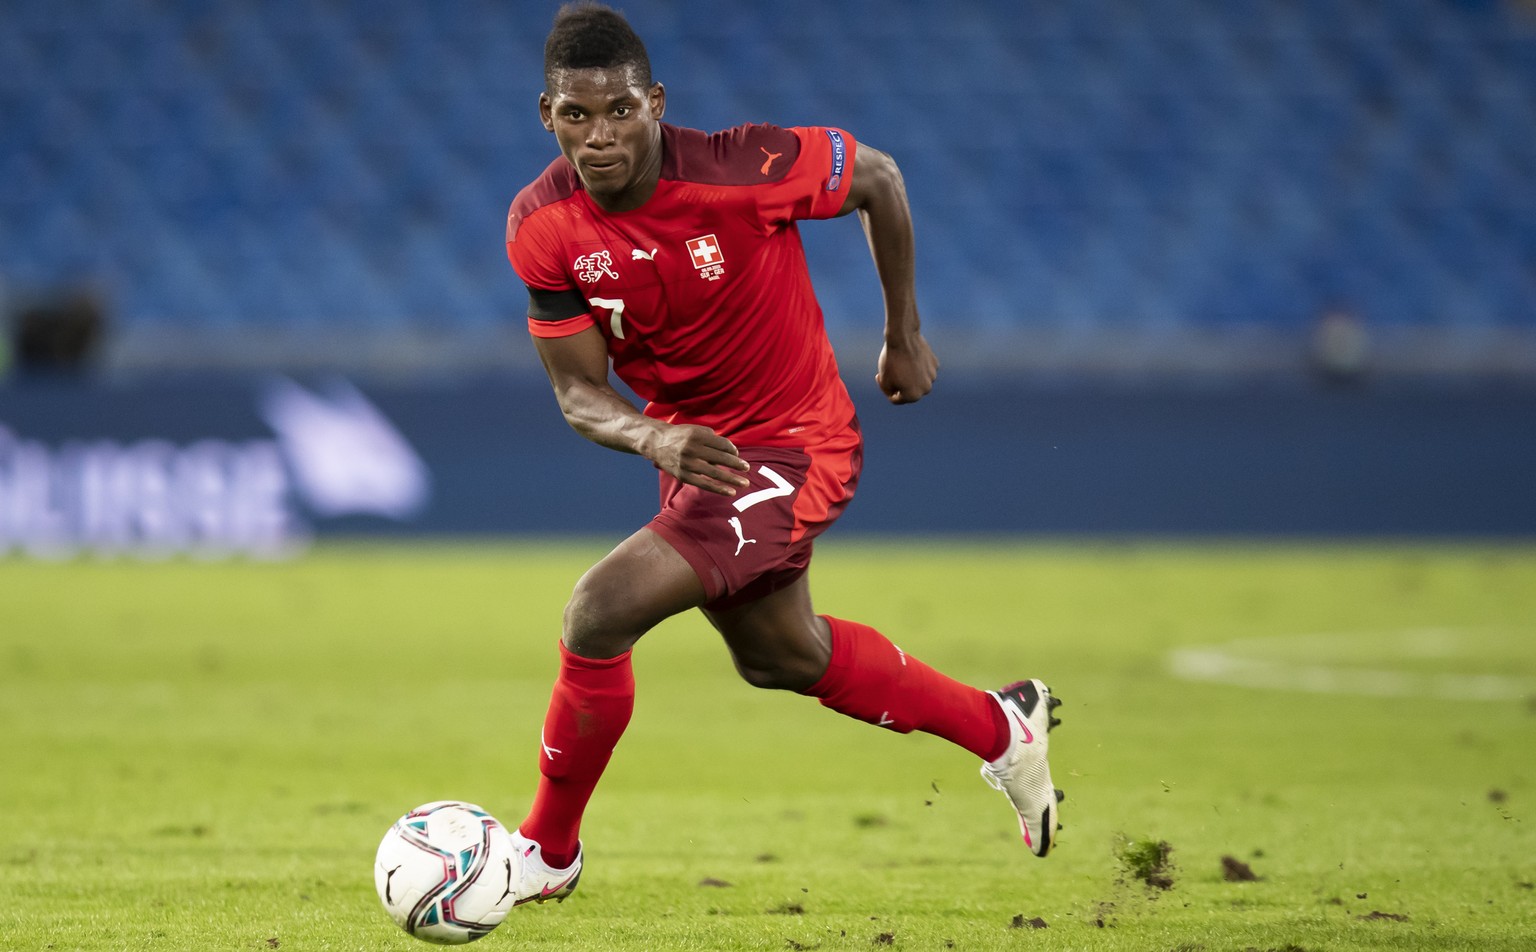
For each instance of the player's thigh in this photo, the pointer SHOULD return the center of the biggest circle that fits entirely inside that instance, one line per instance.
(642, 582)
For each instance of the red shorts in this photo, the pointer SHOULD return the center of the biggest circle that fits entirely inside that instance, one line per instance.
(759, 541)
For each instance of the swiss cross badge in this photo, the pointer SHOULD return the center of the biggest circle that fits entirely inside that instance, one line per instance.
(707, 257)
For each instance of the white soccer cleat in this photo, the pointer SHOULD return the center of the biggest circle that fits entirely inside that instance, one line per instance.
(1022, 772)
(536, 882)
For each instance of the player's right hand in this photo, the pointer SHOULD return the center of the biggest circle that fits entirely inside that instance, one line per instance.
(698, 456)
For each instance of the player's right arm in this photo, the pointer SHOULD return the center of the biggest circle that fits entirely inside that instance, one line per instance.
(575, 353)
(578, 370)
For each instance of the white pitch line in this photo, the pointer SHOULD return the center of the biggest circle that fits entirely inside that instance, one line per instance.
(1218, 664)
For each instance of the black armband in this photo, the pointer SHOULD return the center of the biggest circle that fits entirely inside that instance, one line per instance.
(551, 306)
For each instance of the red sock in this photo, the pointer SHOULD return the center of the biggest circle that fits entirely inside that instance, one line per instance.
(872, 680)
(588, 712)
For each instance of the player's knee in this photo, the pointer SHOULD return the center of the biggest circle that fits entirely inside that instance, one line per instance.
(780, 673)
(596, 624)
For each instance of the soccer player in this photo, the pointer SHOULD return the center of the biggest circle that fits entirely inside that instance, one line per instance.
(672, 257)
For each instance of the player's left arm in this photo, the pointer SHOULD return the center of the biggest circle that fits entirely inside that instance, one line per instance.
(907, 365)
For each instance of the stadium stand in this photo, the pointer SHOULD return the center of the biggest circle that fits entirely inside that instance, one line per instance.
(1169, 169)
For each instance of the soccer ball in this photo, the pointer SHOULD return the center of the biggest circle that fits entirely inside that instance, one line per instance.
(445, 872)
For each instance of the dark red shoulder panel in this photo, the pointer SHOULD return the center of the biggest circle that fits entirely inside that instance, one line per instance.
(558, 183)
(745, 155)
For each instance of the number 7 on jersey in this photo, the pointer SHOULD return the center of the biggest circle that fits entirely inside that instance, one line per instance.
(616, 306)
(780, 487)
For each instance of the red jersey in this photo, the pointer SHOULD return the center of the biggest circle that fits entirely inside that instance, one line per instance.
(702, 293)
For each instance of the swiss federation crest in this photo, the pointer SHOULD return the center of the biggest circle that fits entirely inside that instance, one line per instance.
(590, 267)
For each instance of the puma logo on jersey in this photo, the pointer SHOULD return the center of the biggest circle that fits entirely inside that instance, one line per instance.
(638, 255)
(768, 161)
(741, 537)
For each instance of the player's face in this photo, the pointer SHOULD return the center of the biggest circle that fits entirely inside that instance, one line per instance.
(607, 127)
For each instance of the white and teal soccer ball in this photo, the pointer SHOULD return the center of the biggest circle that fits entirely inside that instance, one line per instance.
(445, 872)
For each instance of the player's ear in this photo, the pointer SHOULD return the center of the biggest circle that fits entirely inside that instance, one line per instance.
(657, 97)
(547, 112)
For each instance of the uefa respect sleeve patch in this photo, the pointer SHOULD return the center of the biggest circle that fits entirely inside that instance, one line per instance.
(839, 159)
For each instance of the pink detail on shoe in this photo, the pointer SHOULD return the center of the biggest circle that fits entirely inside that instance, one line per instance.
(1029, 738)
(548, 891)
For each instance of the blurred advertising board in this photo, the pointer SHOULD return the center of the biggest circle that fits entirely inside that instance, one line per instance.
(212, 468)
(160, 473)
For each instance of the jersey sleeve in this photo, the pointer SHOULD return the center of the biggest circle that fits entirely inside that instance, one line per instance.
(817, 184)
(556, 307)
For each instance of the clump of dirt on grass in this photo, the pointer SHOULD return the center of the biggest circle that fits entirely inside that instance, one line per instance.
(1149, 861)
(1234, 870)
(1020, 922)
(1377, 914)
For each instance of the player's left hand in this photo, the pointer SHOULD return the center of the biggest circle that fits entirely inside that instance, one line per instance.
(907, 370)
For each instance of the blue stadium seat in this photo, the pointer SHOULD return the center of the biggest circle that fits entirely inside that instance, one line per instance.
(1082, 162)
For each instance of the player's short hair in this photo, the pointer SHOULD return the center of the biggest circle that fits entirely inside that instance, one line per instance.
(589, 35)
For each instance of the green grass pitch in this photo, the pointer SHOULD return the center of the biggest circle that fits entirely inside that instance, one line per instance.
(201, 757)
